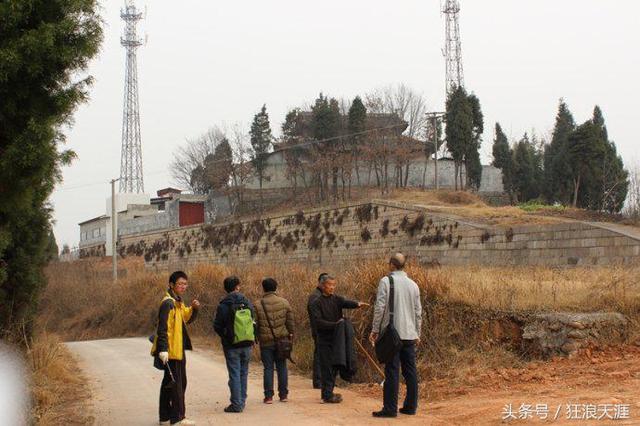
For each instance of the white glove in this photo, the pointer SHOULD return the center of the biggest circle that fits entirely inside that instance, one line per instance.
(164, 357)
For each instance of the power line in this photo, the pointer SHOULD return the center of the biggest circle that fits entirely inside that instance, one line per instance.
(102, 182)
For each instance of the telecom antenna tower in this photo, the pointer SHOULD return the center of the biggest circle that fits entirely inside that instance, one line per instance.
(131, 180)
(453, 48)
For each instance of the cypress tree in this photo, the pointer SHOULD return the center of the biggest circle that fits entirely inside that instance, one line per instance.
(605, 185)
(472, 152)
(557, 165)
(527, 170)
(503, 159)
(357, 124)
(459, 130)
(261, 139)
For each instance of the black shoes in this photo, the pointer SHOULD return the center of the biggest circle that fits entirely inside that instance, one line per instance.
(383, 413)
(336, 398)
(232, 409)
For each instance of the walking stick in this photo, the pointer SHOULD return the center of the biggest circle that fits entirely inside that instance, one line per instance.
(371, 360)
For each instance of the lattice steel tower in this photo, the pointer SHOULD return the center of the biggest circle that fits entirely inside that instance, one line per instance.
(453, 47)
(131, 180)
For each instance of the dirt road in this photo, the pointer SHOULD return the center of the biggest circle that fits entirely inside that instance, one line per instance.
(125, 386)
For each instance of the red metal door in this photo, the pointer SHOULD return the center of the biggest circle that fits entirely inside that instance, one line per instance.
(191, 213)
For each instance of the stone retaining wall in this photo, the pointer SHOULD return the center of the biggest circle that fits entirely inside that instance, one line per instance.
(557, 333)
(350, 233)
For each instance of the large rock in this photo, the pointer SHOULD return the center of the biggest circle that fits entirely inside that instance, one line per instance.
(561, 333)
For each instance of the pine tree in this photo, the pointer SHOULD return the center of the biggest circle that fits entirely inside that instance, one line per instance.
(44, 45)
(605, 185)
(261, 139)
(557, 167)
(465, 125)
(585, 147)
(292, 126)
(220, 167)
(52, 247)
(326, 118)
(527, 170)
(472, 154)
(503, 159)
(357, 124)
(326, 128)
(460, 130)
(198, 178)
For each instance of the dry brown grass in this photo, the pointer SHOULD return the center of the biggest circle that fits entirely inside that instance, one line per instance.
(459, 203)
(541, 288)
(437, 198)
(59, 391)
(460, 303)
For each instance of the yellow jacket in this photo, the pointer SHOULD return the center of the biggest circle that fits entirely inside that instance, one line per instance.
(171, 335)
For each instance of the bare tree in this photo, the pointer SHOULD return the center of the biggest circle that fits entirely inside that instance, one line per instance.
(242, 170)
(192, 156)
(410, 106)
(378, 153)
(405, 149)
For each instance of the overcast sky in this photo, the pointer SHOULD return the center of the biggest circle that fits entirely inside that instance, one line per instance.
(213, 62)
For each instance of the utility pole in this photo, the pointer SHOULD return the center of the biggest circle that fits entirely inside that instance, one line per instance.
(114, 230)
(434, 118)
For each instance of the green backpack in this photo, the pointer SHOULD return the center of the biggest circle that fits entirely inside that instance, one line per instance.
(243, 330)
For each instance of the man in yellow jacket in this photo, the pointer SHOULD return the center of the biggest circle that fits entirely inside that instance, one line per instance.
(169, 347)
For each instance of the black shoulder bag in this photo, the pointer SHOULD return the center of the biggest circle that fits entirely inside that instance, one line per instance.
(388, 343)
(283, 345)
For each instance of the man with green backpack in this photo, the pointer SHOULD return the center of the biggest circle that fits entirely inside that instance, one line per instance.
(235, 324)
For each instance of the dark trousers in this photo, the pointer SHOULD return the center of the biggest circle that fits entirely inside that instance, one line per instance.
(327, 371)
(407, 359)
(268, 356)
(317, 373)
(172, 397)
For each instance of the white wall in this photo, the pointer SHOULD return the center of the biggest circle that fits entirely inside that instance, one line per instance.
(491, 176)
(93, 233)
(124, 199)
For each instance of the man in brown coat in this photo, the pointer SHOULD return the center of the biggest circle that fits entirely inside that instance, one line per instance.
(274, 319)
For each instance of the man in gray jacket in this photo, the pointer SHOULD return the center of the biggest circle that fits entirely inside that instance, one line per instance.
(408, 323)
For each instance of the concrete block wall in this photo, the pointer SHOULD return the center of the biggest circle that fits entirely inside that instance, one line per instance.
(350, 233)
(563, 244)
